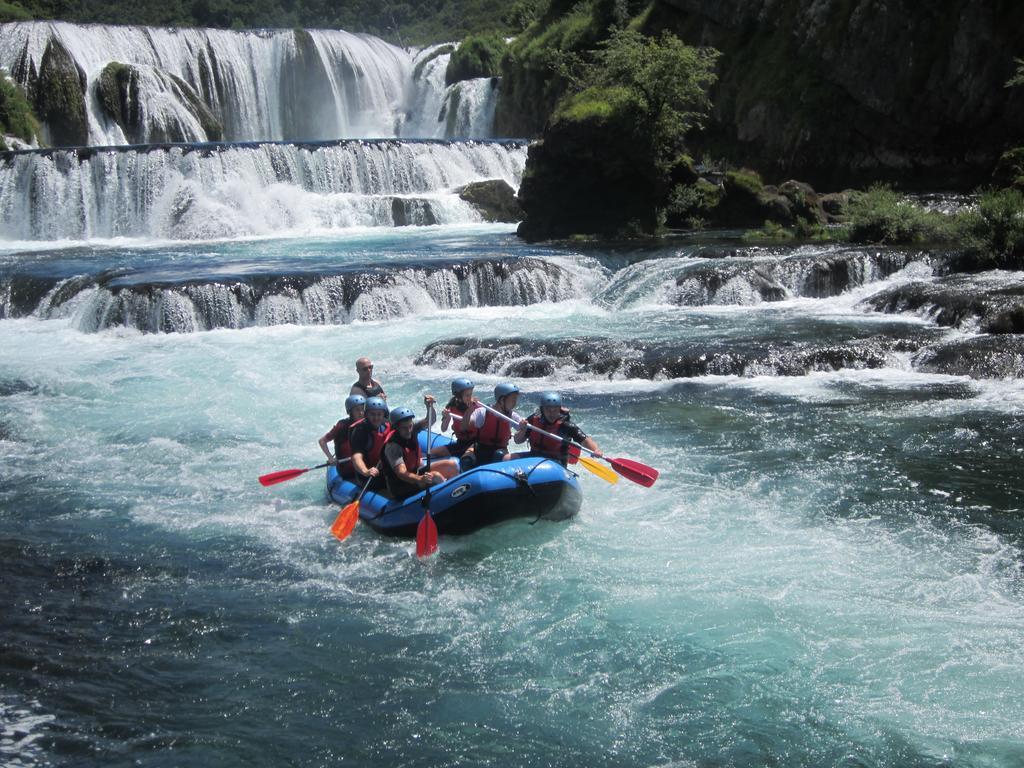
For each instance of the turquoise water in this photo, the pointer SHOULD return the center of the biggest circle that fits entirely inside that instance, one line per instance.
(828, 571)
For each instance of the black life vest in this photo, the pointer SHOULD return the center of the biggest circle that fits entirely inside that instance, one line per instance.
(374, 390)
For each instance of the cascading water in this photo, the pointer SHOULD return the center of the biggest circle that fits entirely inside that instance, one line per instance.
(271, 85)
(230, 191)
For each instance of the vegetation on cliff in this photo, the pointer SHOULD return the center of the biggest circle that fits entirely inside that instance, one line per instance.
(16, 117)
(407, 23)
(614, 149)
(476, 56)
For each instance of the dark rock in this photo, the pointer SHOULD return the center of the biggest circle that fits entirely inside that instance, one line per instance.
(992, 302)
(59, 97)
(614, 359)
(981, 357)
(494, 199)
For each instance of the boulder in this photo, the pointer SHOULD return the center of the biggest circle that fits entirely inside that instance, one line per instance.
(494, 199)
(59, 97)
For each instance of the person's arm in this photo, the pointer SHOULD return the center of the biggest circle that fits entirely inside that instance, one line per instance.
(383, 395)
(446, 419)
(520, 435)
(324, 441)
(585, 440)
(393, 456)
(477, 417)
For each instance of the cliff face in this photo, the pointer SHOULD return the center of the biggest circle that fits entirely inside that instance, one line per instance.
(844, 91)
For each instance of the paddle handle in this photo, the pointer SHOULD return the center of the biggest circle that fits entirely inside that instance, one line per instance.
(515, 423)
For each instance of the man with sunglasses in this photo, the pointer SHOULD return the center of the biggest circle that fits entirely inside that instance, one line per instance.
(367, 386)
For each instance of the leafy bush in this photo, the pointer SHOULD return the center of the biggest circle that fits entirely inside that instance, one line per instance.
(16, 117)
(13, 12)
(477, 56)
(882, 215)
(996, 226)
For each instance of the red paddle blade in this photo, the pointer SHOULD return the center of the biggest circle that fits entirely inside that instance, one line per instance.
(635, 471)
(279, 477)
(345, 521)
(426, 536)
(574, 454)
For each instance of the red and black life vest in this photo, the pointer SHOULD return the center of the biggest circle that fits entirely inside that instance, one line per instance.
(411, 455)
(465, 432)
(342, 447)
(548, 446)
(371, 457)
(495, 433)
(557, 449)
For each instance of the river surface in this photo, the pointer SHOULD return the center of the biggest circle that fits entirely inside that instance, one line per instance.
(827, 572)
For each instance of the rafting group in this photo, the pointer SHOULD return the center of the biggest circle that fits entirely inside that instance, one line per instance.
(393, 472)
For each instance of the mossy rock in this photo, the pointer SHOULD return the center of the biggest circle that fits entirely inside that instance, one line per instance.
(477, 56)
(60, 96)
(590, 175)
(118, 92)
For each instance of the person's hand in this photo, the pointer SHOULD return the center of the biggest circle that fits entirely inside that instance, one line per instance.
(332, 462)
(372, 472)
(597, 454)
(428, 400)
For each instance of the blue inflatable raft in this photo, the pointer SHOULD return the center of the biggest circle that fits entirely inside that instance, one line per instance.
(530, 488)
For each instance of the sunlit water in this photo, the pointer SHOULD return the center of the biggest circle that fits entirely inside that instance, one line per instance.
(827, 572)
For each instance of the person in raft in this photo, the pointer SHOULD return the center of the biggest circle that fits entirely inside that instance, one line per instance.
(401, 468)
(367, 440)
(552, 417)
(366, 385)
(492, 433)
(456, 414)
(355, 405)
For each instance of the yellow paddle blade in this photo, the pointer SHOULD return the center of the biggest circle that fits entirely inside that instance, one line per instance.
(346, 521)
(605, 473)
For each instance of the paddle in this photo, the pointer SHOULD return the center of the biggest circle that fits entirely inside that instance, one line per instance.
(346, 519)
(426, 531)
(628, 468)
(273, 478)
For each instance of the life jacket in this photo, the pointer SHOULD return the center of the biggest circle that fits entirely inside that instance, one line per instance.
(495, 433)
(411, 454)
(374, 390)
(343, 448)
(548, 446)
(465, 432)
(372, 457)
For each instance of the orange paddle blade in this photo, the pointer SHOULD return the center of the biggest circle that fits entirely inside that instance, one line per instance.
(345, 521)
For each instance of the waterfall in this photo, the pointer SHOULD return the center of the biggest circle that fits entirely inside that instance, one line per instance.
(223, 191)
(106, 300)
(266, 85)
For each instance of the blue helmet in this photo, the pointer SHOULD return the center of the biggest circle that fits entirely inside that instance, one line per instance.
(461, 384)
(377, 404)
(354, 401)
(401, 414)
(550, 398)
(504, 389)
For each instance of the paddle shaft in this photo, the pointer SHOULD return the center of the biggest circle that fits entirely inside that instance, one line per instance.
(526, 424)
